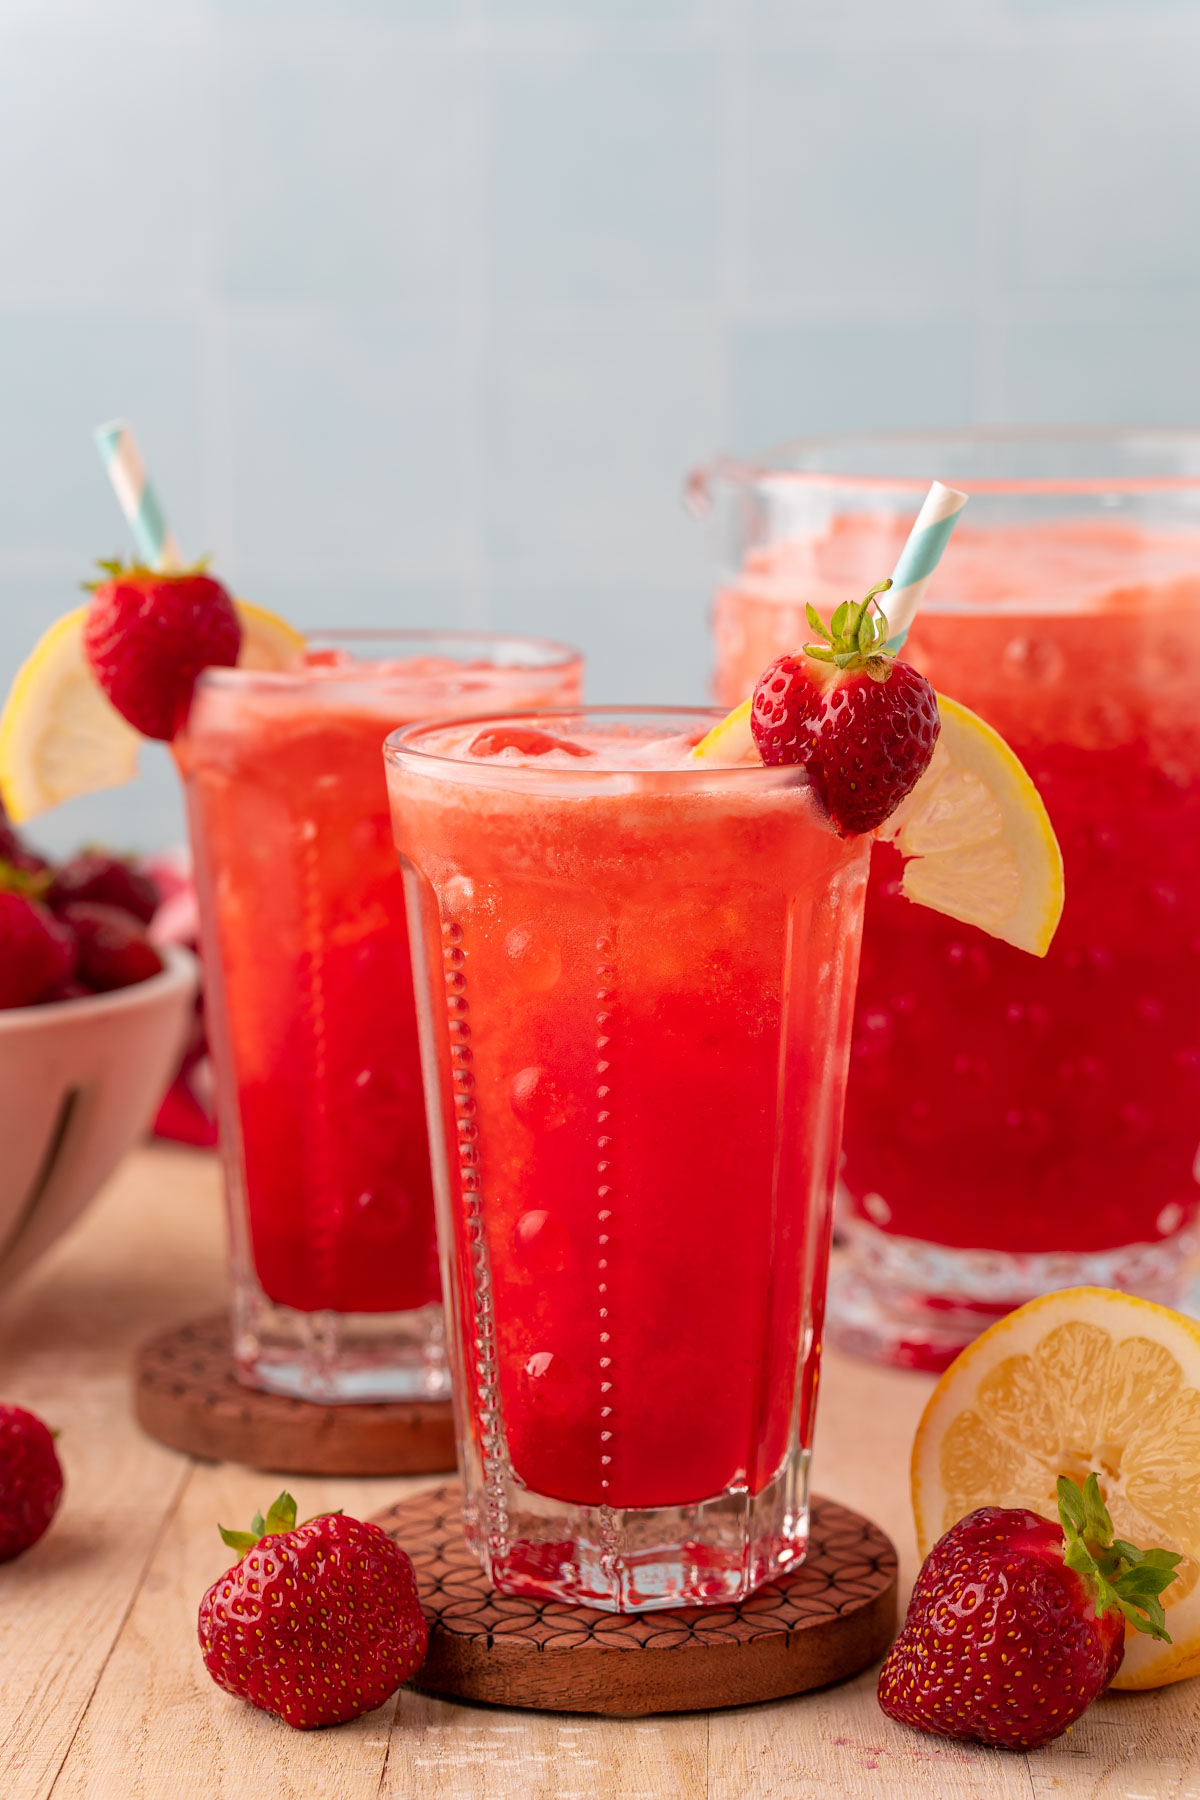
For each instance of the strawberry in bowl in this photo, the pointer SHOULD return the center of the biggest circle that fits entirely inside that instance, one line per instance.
(92, 1018)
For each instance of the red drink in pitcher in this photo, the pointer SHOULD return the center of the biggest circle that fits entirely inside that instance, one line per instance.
(1015, 1125)
(310, 999)
(638, 972)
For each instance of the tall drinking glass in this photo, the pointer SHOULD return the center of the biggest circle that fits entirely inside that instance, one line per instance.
(310, 1004)
(634, 979)
(1014, 1125)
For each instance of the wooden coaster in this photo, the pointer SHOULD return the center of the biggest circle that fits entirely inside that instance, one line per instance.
(187, 1396)
(828, 1621)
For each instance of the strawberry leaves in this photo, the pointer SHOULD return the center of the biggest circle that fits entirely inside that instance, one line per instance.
(1119, 1573)
(855, 637)
(281, 1516)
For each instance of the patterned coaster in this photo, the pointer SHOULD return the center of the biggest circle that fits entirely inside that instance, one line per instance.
(187, 1396)
(828, 1621)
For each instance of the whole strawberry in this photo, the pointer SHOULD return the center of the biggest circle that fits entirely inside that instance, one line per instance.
(1016, 1625)
(861, 723)
(147, 635)
(31, 1480)
(317, 1623)
(112, 880)
(112, 947)
(37, 953)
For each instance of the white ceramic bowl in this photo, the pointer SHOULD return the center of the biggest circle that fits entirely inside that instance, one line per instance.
(79, 1081)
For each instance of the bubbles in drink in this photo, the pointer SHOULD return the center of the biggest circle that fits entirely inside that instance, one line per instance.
(534, 958)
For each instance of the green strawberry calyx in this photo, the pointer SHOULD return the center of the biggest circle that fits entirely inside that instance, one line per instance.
(116, 570)
(281, 1516)
(856, 636)
(1118, 1573)
(31, 884)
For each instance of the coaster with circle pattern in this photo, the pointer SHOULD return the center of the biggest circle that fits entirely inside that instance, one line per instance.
(187, 1396)
(832, 1618)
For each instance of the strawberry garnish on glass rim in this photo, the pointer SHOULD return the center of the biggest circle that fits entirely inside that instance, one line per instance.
(147, 635)
(862, 723)
(1016, 1625)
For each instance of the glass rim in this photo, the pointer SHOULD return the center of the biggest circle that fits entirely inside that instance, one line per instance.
(558, 656)
(400, 748)
(767, 465)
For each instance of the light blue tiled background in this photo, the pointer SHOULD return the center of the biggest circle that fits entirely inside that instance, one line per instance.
(422, 308)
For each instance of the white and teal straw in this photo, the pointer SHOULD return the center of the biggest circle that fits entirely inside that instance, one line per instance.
(920, 557)
(156, 545)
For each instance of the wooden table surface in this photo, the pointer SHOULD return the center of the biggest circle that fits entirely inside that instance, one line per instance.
(103, 1694)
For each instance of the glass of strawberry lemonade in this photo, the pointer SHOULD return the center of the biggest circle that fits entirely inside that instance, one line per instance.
(635, 974)
(1013, 1125)
(310, 1004)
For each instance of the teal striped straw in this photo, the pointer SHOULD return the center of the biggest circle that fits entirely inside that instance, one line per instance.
(920, 557)
(155, 541)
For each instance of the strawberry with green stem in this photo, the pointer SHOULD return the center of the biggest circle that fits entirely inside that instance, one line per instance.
(861, 722)
(1016, 1625)
(149, 633)
(316, 1623)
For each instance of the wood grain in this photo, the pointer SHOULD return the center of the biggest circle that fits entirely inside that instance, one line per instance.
(187, 1396)
(103, 1696)
(66, 1334)
(156, 1707)
(450, 1752)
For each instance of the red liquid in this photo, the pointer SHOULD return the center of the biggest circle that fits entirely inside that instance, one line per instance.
(1015, 1104)
(649, 1000)
(997, 1101)
(312, 1006)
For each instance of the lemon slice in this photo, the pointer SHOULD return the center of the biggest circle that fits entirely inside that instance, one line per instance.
(1083, 1379)
(60, 736)
(730, 740)
(979, 842)
(268, 642)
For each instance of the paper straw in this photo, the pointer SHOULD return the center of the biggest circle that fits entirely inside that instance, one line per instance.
(920, 557)
(156, 546)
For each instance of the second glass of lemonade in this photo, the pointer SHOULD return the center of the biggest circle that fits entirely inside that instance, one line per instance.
(635, 975)
(310, 1000)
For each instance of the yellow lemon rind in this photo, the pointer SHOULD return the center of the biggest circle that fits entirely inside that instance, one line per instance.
(1000, 866)
(56, 660)
(268, 642)
(730, 740)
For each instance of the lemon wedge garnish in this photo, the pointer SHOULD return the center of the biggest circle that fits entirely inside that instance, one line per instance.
(978, 839)
(1083, 1379)
(268, 642)
(59, 734)
(730, 740)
